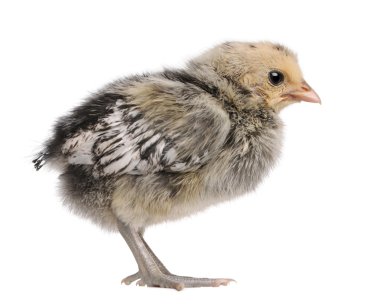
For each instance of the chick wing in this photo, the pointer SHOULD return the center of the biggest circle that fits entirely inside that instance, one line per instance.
(153, 126)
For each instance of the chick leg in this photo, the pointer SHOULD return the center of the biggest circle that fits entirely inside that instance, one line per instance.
(149, 271)
(130, 279)
(189, 281)
(152, 272)
(155, 258)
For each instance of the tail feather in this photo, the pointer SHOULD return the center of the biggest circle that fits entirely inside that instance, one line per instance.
(40, 160)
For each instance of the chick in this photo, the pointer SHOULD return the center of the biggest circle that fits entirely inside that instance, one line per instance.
(156, 147)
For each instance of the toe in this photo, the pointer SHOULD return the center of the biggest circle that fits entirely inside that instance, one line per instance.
(165, 282)
(130, 279)
(179, 286)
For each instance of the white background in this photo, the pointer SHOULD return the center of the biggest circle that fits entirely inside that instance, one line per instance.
(310, 234)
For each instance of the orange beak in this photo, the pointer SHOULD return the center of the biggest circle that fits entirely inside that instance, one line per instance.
(304, 93)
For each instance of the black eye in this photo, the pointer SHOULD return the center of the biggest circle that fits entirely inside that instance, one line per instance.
(276, 77)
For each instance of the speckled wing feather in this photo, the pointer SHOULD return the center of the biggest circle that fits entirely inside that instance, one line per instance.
(144, 134)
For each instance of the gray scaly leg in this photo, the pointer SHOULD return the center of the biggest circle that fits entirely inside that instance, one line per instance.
(152, 272)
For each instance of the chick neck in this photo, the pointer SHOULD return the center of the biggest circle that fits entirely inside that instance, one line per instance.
(225, 87)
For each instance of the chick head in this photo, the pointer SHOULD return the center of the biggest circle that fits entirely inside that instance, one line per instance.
(271, 71)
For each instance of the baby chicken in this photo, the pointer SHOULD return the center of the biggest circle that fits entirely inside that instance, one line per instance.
(157, 147)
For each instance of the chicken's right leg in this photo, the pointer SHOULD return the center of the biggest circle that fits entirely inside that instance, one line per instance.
(130, 279)
(152, 272)
(149, 270)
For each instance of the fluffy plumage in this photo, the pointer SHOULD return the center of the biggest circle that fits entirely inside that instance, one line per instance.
(155, 147)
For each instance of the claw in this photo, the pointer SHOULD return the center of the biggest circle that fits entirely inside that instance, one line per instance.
(223, 281)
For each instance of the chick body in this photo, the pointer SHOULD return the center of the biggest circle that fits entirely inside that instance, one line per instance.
(156, 147)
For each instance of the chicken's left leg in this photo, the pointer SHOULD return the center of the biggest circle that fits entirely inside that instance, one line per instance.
(152, 272)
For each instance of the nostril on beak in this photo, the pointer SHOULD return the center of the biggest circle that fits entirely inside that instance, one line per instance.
(305, 93)
(305, 86)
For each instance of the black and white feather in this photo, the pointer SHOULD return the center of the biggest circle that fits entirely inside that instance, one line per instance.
(122, 141)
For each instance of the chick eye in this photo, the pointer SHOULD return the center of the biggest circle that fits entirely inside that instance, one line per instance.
(276, 77)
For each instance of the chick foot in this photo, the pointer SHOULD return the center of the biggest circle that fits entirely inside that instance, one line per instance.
(177, 282)
(193, 282)
(152, 272)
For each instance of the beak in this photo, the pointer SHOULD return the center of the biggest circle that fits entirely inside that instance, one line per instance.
(304, 93)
